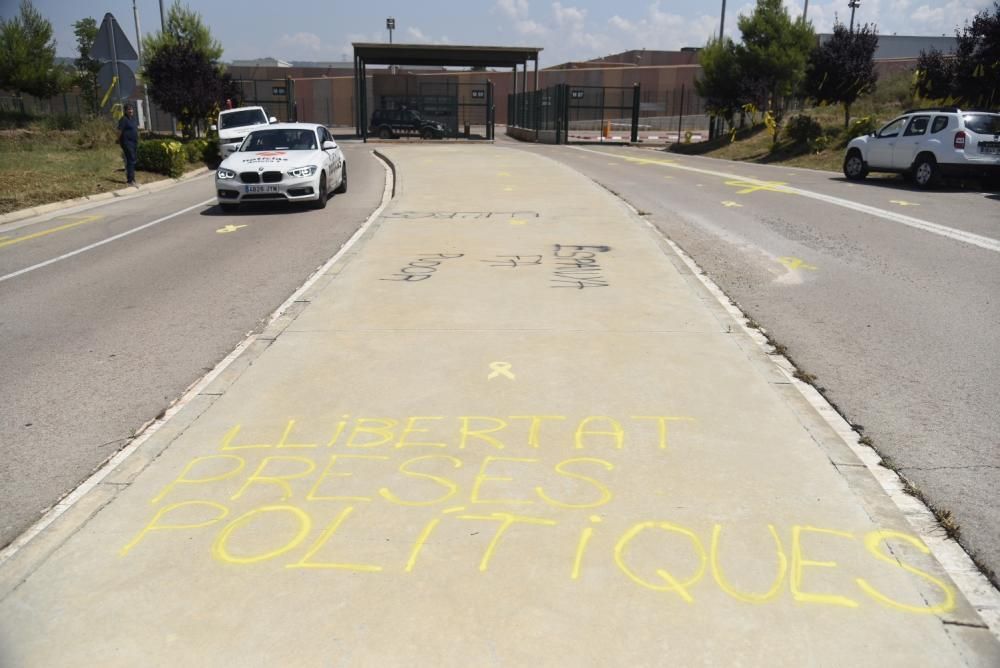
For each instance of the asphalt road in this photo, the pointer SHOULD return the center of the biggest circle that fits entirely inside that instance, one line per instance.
(898, 320)
(96, 344)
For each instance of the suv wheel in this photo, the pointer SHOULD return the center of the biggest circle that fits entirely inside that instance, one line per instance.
(925, 171)
(854, 166)
(342, 188)
(384, 133)
(427, 133)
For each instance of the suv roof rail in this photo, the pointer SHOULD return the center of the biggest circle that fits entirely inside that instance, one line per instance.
(953, 110)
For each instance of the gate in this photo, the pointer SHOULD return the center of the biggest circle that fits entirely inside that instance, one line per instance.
(565, 113)
(464, 109)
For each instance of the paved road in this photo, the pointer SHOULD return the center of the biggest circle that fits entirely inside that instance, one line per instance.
(97, 344)
(899, 324)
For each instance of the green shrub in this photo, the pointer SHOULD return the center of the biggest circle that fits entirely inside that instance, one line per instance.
(820, 144)
(803, 129)
(163, 156)
(96, 132)
(860, 127)
(61, 122)
(194, 150)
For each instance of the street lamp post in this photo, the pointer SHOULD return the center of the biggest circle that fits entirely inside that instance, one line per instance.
(390, 24)
(853, 4)
(722, 21)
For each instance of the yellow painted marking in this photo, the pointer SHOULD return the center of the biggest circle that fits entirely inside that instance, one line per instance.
(796, 263)
(647, 161)
(82, 221)
(104, 100)
(747, 187)
(517, 221)
(453, 510)
(229, 228)
(503, 173)
(508, 189)
(500, 369)
(729, 204)
(902, 202)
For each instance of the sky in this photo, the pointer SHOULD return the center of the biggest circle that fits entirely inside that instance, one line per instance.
(323, 30)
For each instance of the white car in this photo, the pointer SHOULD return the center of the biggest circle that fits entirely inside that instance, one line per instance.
(283, 162)
(925, 144)
(234, 124)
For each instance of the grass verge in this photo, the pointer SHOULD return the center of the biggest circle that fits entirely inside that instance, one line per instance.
(39, 165)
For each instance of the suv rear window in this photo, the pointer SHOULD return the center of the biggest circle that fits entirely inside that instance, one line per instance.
(940, 123)
(984, 124)
(237, 119)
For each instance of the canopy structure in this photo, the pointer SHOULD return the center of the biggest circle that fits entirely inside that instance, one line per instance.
(435, 55)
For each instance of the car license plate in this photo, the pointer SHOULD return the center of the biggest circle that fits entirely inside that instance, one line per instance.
(262, 189)
(990, 150)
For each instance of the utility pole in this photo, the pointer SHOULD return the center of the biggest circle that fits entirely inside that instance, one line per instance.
(722, 21)
(805, 10)
(853, 4)
(163, 21)
(138, 48)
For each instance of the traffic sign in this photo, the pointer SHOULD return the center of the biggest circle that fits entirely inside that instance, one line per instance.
(111, 42)
(106, 82)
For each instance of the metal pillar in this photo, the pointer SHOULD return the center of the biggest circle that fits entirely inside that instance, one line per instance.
(635, 113)
(524, 94)
(490, 115)
(680, 117)
(565, 111)
(535, 98)
(364, 101)
(513, 89)
(357, 97)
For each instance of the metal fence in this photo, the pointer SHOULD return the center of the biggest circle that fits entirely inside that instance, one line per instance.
(466, 110)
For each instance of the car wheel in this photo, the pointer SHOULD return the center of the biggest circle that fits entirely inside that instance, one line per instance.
(229, 207)
(925, 172)
(384, 133)
(854, 166)
(427, 133)
(342, 188)
(320, 202)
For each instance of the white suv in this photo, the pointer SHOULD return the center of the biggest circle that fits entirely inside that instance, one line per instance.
(235, 124)
(925, 144)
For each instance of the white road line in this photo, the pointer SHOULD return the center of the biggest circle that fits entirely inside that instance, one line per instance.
(987, 243)
(101, 243)
(193, 391)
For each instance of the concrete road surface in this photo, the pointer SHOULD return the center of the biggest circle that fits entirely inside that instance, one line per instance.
(510, 427)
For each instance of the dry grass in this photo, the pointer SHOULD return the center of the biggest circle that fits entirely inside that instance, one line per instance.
(40, 166)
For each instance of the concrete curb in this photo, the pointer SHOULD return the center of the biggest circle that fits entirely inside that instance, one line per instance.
(121, 193)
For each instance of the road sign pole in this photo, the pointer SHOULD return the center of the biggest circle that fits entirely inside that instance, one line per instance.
(114, 64)
(138, 49)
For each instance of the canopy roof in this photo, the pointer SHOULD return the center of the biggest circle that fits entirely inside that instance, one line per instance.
(447, 55)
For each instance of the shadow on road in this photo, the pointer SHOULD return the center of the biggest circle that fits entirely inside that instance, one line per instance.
(899, 183)
(260, 209)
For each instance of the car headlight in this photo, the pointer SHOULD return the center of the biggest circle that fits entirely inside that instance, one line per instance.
(299, 172)
(224, 173)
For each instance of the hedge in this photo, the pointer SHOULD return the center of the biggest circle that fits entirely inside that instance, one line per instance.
(163, 156)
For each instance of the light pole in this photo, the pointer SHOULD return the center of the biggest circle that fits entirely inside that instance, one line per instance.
(138, 47)
(390, 24)
(805, 10)
(163, 21)
(722, 21)
(853, 4)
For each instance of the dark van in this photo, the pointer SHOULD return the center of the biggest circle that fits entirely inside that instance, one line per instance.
(391, 123)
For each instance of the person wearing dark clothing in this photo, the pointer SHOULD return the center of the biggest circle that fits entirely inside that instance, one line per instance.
(128, 139)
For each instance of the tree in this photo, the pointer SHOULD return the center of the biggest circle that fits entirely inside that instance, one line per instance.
(977, 61)
(842, 69)
(86, 67)
(971, 76)
(935, 75)
(182, 70)
(185, 83)
(773, 54)
(721, 80)
(27, 55)
(183, 25)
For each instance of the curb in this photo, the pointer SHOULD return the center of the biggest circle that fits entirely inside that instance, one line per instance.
(126, 193)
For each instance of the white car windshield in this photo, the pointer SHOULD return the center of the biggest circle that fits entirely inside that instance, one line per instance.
(242, 117)
(280, 140)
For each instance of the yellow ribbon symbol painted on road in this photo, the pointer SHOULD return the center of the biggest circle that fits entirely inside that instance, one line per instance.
(500, 369)
(754, 186)
(795, 263)
(229, 228)
(730, 204)
(902, 202)
(516, 221)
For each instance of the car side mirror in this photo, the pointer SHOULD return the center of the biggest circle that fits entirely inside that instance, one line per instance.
(213, 127)
(329, 145)
(272, 120)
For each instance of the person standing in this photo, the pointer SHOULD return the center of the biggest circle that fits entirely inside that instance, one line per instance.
(128, 139)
